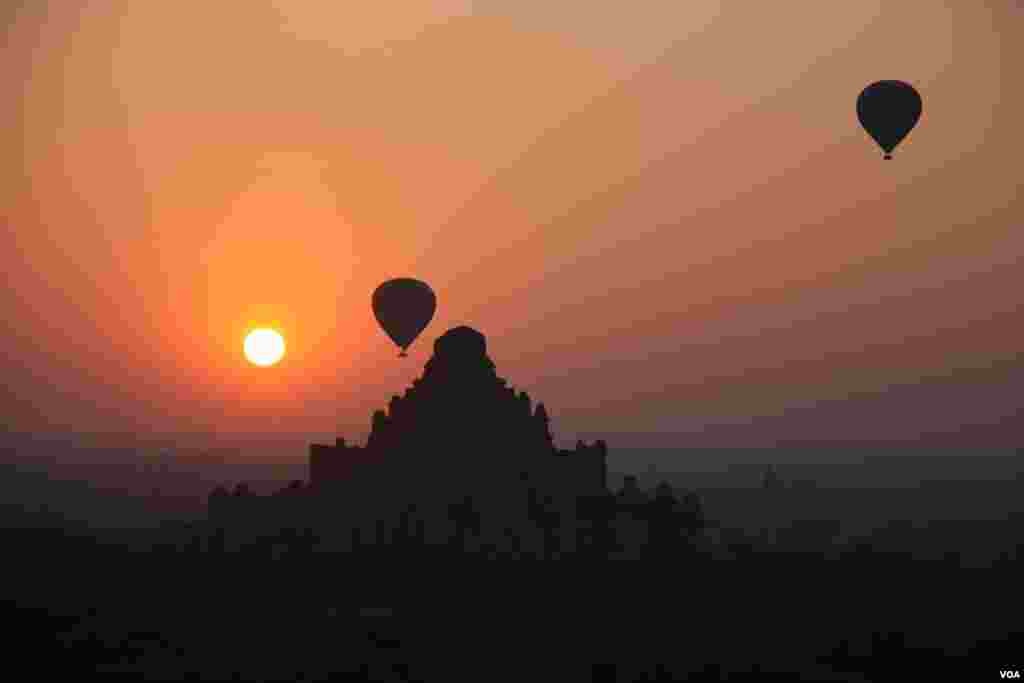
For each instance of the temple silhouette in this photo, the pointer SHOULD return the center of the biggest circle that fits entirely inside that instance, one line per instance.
(463, 466)
(462, 461)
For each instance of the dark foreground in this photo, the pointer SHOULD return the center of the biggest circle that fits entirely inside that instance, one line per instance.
(76, 606)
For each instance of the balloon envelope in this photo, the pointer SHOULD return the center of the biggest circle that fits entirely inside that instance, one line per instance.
(404, 307)
(889, 110)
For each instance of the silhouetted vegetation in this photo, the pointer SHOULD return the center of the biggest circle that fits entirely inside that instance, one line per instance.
(447, 520)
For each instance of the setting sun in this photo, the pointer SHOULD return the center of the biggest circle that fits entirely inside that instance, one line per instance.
(264, 347)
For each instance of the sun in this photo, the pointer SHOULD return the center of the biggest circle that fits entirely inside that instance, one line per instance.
(264, 347)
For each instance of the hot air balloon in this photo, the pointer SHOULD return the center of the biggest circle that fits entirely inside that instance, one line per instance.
(404, 308)
(888, 110)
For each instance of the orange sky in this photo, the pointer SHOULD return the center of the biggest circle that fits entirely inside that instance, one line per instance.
(662, 216)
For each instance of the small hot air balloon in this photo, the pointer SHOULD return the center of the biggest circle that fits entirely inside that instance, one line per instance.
(404, 308)
(888, 110)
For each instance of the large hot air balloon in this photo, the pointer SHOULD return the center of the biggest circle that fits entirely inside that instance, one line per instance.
(889, 110)
(403, 308)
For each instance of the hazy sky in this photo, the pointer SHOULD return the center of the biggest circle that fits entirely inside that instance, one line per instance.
(664, 215)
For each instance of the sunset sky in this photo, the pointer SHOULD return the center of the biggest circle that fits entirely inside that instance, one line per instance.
(664, 215)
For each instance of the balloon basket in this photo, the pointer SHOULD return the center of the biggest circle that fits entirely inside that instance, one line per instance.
(888, 157)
